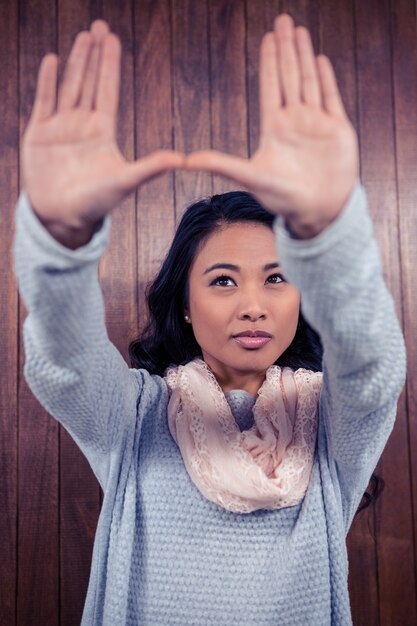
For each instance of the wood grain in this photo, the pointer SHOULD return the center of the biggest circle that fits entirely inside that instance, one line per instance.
(79, 494)
(259, 19)
(402, 20)
(396, 584)
(38, 502)
(153, 130)
(189, 81)
(337, 40)
(118, 268)
(9, 324)
(229, 118)
(191, 96)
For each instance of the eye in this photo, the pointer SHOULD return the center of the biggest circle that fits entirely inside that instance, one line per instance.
(226, 281)
(276, 279)
(222, 281)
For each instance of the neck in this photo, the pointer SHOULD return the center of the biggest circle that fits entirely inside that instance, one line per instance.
(230, 379)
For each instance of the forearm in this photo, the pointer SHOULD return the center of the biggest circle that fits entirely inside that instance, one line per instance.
(71, 366)
(64, 233)
(71, 238)
(345, 299)
(311, 224)
(59, 286)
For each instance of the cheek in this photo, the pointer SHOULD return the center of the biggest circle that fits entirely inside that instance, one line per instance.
(287, 310)
(208, 317)
(213, 321)
(294, 302)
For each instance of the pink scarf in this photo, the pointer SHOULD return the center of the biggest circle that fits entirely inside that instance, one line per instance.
(265, 467)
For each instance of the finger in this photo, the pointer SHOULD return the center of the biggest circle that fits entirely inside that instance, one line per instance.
(288, 64)
(310, 86)
(269, 92)
(332, 99)
(69, 92)
(89, 86)
(98, 29)
(153, 164)
(239, 170)
(107, 97)
(45, 98)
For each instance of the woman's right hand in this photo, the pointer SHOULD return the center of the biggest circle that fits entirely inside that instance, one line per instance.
(73, 171)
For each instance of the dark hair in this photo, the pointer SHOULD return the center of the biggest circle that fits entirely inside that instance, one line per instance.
(168, 339)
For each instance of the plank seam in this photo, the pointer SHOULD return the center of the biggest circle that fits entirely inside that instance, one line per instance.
(18, 337)
(135, 156)
(172, 84)
(401, 281)
(210, 87)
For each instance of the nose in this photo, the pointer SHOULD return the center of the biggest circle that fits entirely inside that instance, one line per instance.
(252, 307)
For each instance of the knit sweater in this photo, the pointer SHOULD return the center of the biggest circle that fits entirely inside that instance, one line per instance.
(163, 554)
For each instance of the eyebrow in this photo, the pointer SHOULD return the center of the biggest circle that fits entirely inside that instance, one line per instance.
(236, 268)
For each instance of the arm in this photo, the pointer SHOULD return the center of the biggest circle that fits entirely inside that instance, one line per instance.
(74, 175)
(305, 171)
(345, 299)
(71, 366)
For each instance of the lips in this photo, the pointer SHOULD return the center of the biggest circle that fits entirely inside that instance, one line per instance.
(253, 333)
(252, 339)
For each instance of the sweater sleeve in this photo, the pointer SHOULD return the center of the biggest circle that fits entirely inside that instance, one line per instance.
(71, 366)
(345, 299)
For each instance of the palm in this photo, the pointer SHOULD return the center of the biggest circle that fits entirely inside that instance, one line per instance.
(76, 159)
(303, 162)
(73, 170)
(307, 160)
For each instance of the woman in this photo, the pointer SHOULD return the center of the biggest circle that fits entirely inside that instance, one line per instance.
(229, 482)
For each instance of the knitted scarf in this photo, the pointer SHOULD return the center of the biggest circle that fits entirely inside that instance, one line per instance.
(265, 467)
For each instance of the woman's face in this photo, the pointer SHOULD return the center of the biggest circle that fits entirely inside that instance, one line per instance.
(235, 287)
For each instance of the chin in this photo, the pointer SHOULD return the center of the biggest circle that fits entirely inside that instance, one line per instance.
(253, 360)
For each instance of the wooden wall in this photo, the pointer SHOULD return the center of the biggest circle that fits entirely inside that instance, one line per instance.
(190, 81)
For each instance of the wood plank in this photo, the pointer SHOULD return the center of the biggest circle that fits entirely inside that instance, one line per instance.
(404, 51)
(9, 162)
(376, 127)
(229, 117)
(79, 494)
(165, 37)
(337, 39)
(118, 268)
(259, 20)
(331, 29)
(363, 569)
(191, 81)
(38, 523)
(153, 126)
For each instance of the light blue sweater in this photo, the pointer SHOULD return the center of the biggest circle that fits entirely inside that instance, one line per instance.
(163, 554)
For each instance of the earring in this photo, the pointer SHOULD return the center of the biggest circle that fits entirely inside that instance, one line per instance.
(187, 318)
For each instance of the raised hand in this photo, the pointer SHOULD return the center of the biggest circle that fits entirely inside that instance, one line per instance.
(73, 171)
(307, 161)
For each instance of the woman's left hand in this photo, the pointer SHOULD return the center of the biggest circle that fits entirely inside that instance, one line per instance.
(307, 161)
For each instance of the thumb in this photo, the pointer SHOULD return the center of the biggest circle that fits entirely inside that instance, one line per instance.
(142, 170)
(238, 169)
